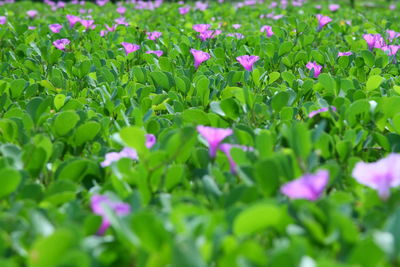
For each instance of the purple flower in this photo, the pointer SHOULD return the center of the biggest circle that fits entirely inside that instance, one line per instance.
(121, 10)
(333, 7)
(115, 156)
(392, 7)
(315, 67)
(158, 53)
(341, 54)
(61, 43)
(380, 175)
(236, 26)
(121, 21)
(129, 48)
(226, 148)
(391, 49)
(150, 140)
(3, 20)
(31, 13)
(199, 57)
(201, 27)
(315, 112)
(214, 137)
(31, 27)
(374, 41)
(247, 61)
(56, 28)
(309, 186)
(87, 23)
(322, 20)
(201, 6)
(392, 35)
(73, 20)
(267, 29)
(153, 35)
(236, 34)
(111, 29)
(208, 34)
(97, 204)
(184, 10)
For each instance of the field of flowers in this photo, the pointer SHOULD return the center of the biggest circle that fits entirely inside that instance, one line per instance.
(253, 133)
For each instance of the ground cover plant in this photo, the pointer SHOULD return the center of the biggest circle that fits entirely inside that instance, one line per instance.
(252, 133)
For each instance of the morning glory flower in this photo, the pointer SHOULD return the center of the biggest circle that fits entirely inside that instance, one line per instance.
(392, 35)
(87, 23)
(333, 7)
(213, 136)
(268, 30)
(97, 204)
(129, 48)
(341, 54)
(73, 20)
(3, 20)
(315, 112)
(199, 57)
(31, 13)
(226, 148)
(315, 67)
(121, 10)
(184, 10)
(236, 26)
(201, 6)
(111, 157)
(374, 41)
(380, 175)
(247, 61)
(153, 35)
(150, 139)
(322, 20)
(309, 186)
(31, 27)
(56, 28)
(391, 49)
(201, 27)
(121, 21)
(158, 53)
(61, 43)
(236, 34)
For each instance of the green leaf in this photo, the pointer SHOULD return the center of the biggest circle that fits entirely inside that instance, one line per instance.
(134, 137)
(285, 48)
(17, 87)
(374, 82)
(86, 132)
(65, 122)
(327, 82)
(368, 57)
(9, 181)
(59, 101)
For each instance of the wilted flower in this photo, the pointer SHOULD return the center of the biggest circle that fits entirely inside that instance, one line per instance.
(56, 28)
(150, 139)
(247, 61)
(111, 157)
(226, 148)
(3, 20)
(340, 54)
(97, 204)
(201, 27)
(333, 7)
(129, 48)
(31, 13)
(61, 43)
(73, 20)
(214, 137)
(309, 186)
(158, 53)
(315, 67)
(184, 10)
(315, 112)
(267, 29)
(153, 35)
(380, 175)
(199, 57)
(322, 20)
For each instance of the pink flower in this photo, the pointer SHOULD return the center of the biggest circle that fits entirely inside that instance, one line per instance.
(115, 156)
(111, 29)
(150, 140)
(201, 6)
(3, 20)
(61, 43)
(153, 35)
(247, 61)
(391, 49)
(73, 20)
(201, 27)
(392, 7)
(318, 7)
(97, 204)
(226, 148)
(236, 26)
(213, 136)
(333, 7)
(184, 10)
(315, 67)
(267, 29)
(309, 186)
(340, 54)
(129, 48)
(121, 21)
(87, 23)
(374, 40)
(158, 53)
(31, 13)
(56, 28)
(208, 34)
(236, 34)
(121, 10)
(380, 175)
(199, 57)
(392, 35)
(315, 112)
(323, 20)
(31, 27)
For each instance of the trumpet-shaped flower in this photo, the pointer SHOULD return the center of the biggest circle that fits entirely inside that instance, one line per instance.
(73, 20)
(199, 57)
(3, 20)
(153, 35)
(309, 186)
(380, 175)
(56, 28)
(184, 10)
(247, 61)
(129, 48)
(201, 27)
(150, 140)
(158, 53)
(214, 137)
(31, 13)
(61, 43)
(322, 20)
(97, 204)
(333, 7)
(315, 67)
(268, 30)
